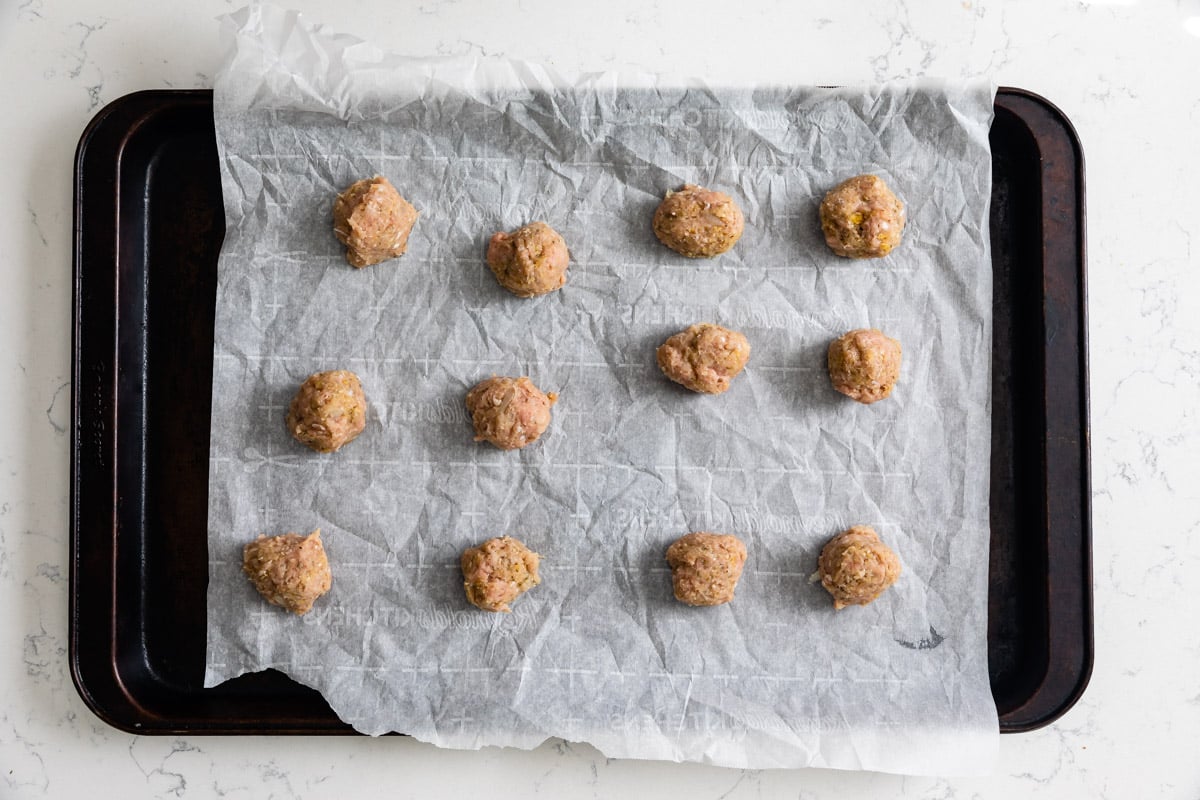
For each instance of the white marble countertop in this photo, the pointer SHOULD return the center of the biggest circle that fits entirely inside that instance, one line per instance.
(1125, 73)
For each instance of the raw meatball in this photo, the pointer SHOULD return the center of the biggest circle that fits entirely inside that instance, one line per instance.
(704, 358)
(509, 412)
(861, 218)
(855, 567)
(373, 221)
(530, 260)
(499, 571)
(698, 222)
(864, 364)
(705, 567)
(290, 570)
(328, 410)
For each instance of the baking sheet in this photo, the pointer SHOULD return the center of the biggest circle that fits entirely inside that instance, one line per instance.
(600, 652)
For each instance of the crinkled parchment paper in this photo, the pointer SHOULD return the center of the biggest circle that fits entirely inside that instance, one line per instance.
(600, 652)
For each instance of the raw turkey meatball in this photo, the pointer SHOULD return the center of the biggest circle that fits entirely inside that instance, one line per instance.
(529, 261)
(861, 218)
(509, 412)
(373, 221)
(698, 222)
(499, 571)
(328, 411)
(704, 358)
(705, 567)
(864, 364)
(855, 567)
(290, 570)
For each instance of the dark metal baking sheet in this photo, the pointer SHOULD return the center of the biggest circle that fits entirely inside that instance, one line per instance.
(148, 229)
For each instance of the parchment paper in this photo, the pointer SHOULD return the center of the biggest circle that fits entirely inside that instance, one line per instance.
(600, 652)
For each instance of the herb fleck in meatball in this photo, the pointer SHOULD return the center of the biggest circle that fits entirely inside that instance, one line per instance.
(855, 567)
(373, 221)
(704, 358)
(509, 412)
(861, 218)
(529, 261)
(705, 567)
(864, 364)
(290, 570)
(499, 571)
(328, 411)
(698, 222)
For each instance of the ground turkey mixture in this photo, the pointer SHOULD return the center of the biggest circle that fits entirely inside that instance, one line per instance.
(328, 411)
(529, 261)
(509, 412)
(855, 567)
(290, 570)
(373, 221)
(864, 364)
(704, 358)
(698, 222)
(705, 567)
(861, 218)
(497, 572)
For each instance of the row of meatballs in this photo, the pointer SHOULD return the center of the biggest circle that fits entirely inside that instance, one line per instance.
(855, 567)
(329, 410)
(860, 218)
